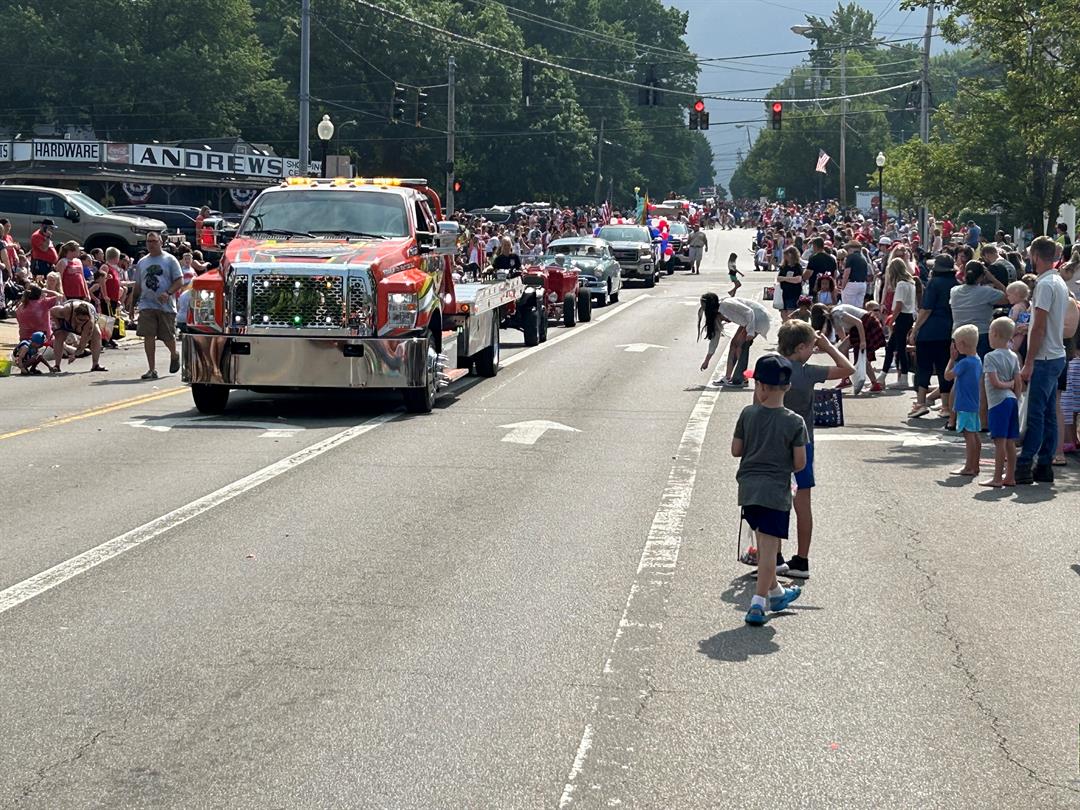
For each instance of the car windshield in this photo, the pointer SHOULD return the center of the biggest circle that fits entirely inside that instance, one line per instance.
(616, 234)
(88, 204)
(326, 212)
(577, 249)
(678, 228)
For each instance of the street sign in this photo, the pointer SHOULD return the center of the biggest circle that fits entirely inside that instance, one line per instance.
(780, 193)
(706, 191)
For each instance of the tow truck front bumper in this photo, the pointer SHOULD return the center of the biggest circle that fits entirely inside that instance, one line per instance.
(260, 361)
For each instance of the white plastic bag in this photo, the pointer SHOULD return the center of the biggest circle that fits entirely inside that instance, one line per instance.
(778, 296)
(858, 379)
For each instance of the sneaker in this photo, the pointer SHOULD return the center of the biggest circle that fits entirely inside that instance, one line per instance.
(781, 565)
(917, 411)
(902, 384)
(150, 375)
(876, 388)
(798, 567)
(174, 364)
(1043, 474)
(734, 384)
(845, 383)
(882, 377)
(777, 603)
(1024, 474)
(756, 616)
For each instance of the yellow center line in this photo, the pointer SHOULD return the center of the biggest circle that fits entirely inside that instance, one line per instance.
(101, 411)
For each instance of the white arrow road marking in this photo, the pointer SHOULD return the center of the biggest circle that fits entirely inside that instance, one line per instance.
(903, 438)
(270, 430)
(530, 432)
(639, 347)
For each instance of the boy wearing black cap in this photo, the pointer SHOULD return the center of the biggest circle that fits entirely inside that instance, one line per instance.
(770, 442)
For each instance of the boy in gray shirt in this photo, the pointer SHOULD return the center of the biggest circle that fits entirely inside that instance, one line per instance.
(1001, 376)
(770, 443)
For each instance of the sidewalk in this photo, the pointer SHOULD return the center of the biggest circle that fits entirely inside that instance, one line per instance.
(9, 335)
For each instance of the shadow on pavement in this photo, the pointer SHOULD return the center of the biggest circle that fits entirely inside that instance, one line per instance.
(740, 643)
(1075, 567)
(135, 381)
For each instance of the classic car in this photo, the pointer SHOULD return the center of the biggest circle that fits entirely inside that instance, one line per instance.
(600, 272)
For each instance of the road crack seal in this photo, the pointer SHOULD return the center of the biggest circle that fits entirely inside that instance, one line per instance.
(44, 772)
(947, 630)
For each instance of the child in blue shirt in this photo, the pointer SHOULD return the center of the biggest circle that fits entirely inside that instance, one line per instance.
(27, 354)
(965, 373)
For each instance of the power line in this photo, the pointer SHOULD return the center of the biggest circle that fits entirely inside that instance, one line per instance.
(579, 72)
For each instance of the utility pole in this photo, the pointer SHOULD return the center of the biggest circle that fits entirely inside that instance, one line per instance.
(599, 160)
(924, 108)
(450, 138)
(843, 126)
(305, 82)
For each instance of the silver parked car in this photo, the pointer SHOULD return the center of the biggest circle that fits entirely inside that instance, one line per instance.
(598, 270)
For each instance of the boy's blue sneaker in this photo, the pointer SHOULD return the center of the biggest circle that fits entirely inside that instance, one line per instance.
(756, 615)
(780, 602)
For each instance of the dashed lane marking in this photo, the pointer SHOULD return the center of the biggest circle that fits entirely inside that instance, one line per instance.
(38, 584)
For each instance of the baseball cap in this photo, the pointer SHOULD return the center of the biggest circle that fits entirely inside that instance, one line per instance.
(38, 338)
(47, 223)
(884, 241)
(772, 369)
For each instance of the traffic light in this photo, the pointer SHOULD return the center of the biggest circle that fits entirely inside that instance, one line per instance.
(421, 107)
(649, 94)
(698, 116)
(777, 108)
(526, 82)
(397, 104)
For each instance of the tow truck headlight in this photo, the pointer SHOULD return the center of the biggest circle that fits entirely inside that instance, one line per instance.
(204, 309)
(645, 253)
(401, 310)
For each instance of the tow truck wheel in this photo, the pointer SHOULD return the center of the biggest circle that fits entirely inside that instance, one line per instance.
(569, 311)
(210, 399)
(422, 399)
(650, 280)
(487, 360)
(543, 324)
(530, 325)
(584, 306)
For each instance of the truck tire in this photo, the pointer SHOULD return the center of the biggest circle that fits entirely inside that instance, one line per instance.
(422, 399)
(543, 325)
(650, 280)
(487, 360)
(569, 311)
(210, 399)
(530, 325)
(584, 306)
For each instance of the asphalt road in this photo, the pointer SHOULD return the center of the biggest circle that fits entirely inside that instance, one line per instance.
(322, 602)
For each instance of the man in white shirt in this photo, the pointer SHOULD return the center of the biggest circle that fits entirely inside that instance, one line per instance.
(1043, 366)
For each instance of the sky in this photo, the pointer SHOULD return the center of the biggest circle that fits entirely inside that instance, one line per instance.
(735, 27)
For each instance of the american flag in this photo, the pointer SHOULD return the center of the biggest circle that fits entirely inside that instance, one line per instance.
(605, 212)
(822, 161)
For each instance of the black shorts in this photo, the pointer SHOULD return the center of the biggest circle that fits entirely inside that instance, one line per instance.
(931, 357)
(766, 520)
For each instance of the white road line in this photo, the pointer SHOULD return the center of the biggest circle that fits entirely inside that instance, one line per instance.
(577, 330)
(81, 563)
(656, 567)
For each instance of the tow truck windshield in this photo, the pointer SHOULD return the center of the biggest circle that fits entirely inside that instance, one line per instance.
(325, 213)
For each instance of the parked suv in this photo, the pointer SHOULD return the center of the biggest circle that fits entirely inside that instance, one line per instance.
(218, 228)
(76, 216)
(633, 249)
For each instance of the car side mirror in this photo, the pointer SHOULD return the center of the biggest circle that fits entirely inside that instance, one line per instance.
(72, 214)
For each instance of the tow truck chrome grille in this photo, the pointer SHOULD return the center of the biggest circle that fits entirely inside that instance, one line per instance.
(238, 304)
(359, 314)
(298, 302)
(626, 255)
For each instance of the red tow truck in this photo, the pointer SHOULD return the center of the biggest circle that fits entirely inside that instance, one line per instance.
(341, 283)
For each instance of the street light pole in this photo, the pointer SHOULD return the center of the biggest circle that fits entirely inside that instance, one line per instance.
(305, 83)
(924, 108)
(325, 131)
(843, 127)
(880, 161)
